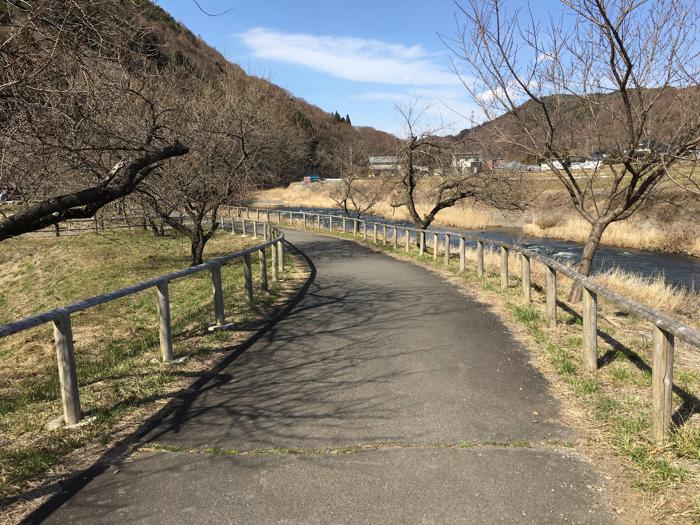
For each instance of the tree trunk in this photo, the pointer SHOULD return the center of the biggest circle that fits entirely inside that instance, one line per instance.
(154, 228)
(198, 241)
(586, 262)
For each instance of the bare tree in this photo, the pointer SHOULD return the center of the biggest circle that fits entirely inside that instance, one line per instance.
(238, 141)
(430, 177)
(613, 76)
(354, 193)
(84, 117)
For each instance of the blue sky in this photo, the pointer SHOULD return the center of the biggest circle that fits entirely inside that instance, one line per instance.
(356, 57)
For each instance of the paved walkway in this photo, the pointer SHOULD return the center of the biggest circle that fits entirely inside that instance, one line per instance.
(380, 355)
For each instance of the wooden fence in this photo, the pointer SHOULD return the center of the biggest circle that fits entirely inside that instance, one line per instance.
(666, 329)
(61, 317)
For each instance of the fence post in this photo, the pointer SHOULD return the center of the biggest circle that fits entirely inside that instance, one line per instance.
(551, 296)
(330, 223)
(248, 274)
(243, 227)
(480, 258)
(374, 235)
(165, 330)
(303, 216)
(280, 261)
(354, 228)
(407, 240)
(257, 214)
(662, 384)
(395, 237)
(435, 246)
(344, 225)
(218, 295)
(447, 249)
(590, 330)
(318, 221)
(255, 229)
(421, 242)
(63, 339)
(275, 264)
(384, 234)
(263, 270)
(525, 271)
(57, 229)
(364, 230)
(504, 267)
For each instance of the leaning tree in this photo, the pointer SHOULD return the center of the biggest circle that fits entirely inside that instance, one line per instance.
(613, 77)
(85, 116)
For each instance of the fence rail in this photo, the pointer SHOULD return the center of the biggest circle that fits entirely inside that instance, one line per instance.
(666, 329)
(62, 323)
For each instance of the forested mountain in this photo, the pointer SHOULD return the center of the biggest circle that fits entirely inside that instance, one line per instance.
(327, 131)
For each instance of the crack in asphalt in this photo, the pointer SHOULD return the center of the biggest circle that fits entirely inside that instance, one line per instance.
(352, 449)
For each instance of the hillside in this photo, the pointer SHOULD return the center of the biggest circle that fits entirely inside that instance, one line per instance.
(585, 125)
(173, 43)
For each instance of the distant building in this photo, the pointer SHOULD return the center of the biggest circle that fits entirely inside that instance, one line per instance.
(383, 164)
(583, 165)
(515, 166)
(467, 162)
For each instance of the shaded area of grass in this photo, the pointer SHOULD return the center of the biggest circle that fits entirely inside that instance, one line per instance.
(116, 344)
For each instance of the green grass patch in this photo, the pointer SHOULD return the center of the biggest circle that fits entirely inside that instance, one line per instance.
(116, 344)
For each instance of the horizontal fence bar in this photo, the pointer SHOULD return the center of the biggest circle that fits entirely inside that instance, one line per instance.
(58, 313)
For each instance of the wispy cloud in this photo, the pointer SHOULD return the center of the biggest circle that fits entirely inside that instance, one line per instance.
(357, 59)
(448, 108)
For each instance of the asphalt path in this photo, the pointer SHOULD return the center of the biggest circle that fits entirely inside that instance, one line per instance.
(384, 396)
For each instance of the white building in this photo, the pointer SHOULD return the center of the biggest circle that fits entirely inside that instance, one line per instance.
(388, 163)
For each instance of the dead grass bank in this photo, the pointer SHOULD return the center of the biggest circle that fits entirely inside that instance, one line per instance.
(669, 223)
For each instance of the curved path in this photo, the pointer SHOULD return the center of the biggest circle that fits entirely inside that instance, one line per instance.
(385, 396)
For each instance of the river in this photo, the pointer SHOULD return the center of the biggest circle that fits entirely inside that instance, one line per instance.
(680, 270)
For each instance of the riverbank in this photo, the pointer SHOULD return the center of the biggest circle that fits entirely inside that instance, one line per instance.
(668, 223)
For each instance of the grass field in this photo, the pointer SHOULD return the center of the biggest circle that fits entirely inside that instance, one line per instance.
(116, 344)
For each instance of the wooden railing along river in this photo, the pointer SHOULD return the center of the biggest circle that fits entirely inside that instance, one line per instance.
(666, 329)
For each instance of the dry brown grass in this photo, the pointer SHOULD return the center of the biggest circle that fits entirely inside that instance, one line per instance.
(652, 292)
(661, 227)
(317, 196)
(628, 234)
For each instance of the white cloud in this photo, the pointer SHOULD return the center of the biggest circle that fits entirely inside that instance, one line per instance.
(446, 109)
(357, 59)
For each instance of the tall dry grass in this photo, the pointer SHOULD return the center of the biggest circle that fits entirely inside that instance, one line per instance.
(627, 234)
(653, 292)
(317, 196)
